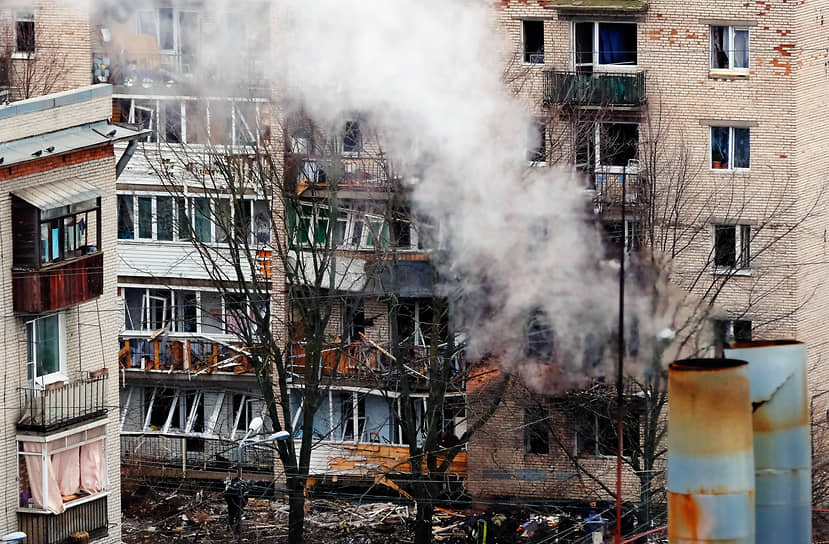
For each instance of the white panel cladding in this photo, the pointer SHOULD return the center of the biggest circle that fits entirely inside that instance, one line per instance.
(144, 258)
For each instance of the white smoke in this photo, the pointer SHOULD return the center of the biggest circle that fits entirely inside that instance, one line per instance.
(430, 72)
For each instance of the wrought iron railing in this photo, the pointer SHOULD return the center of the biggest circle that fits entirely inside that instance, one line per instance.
(47, 528)
(608, 186)
(60, 404)
(600, 89)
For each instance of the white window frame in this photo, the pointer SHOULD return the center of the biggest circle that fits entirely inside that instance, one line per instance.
(46, 440)
(596, 66)
(524, 44)
(731, 146)
(742, 252)
(23, 15)
(538, 127)
(61, 374)
(731, 30)
(597, 149)
(176, 50)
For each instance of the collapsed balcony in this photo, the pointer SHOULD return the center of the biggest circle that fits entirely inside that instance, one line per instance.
(594, 89)
(60, 404)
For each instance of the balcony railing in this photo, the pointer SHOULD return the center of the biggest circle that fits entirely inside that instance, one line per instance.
(367, 172)
(58, 285)
(48, 528)
(156, 72)
(60, 404)
(184, 353)
(597, 89)
(193, 452)
(607, 188)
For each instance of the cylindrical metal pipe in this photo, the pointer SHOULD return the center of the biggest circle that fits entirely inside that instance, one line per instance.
(782, 450)
(710, 456)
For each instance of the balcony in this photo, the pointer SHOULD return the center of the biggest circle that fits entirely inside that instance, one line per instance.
(165, 73)
(357, 173)
(187, 353)
(61, 404)
(59, 285)
(608, 188)
(47, 528)
(597, 89)
(193, 453)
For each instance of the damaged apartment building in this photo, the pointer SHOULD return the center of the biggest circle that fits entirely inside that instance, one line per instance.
(723, 99)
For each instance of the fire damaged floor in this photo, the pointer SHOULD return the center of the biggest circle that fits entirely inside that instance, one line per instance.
(153, 512)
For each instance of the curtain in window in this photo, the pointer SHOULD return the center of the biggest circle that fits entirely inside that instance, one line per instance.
(34, 466)
(93, 467)
(741, 148)
(66, 467)
(617, 44)
(740, 49)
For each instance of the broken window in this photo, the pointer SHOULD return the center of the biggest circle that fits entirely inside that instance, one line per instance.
(617, 144)
(211, 313)
(347, 406)
(352, 137)
(537, 150)
(604, 44)
(729, 48)
(533, 39)
(172, 123)
(732, 247)
(24, 31)
(195, 122)
(262, 221)
(144, 114)
(729, 331)
(301, 141)
(354, 320)
(619, 237)
(730, 147)
(536, 433)
(185, 311)
(540, 338)
(166, 36)
(597, 431)
(246, 123)
(156, 309)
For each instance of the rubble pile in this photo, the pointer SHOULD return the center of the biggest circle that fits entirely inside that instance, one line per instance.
(176, 515)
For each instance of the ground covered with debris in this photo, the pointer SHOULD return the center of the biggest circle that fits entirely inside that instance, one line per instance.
(169, 514)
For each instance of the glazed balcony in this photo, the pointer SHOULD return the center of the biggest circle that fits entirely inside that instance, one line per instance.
(60, 404)
(58, 285)
(596, 89)
(44, 527)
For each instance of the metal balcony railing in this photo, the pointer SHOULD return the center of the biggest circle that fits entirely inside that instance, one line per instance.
(48, 528)
(193, 452)
(608, 187)
(60, 404)
(597, 89)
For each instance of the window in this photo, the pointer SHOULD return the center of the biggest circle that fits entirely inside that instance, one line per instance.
(354, 321)
(45, 348)
(619, 237)
(730, 147)
(64, 469)
(69, 231)
(604, 44)
(175, 31)
(202, 222)
(540, 337)
(729, 48)
(352, 137)
(728, 331)
(616, 144)
(24, 32)
(347, 405)
(732, 247)
(537, 151)
(536, 434)
(533, 39)
(164, 218)
(145, 217)
(597, 432)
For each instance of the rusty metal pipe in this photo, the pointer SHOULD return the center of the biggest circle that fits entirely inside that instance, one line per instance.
(710, 454)
(782, 449)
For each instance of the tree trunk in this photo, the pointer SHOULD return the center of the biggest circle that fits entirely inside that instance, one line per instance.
(296, 511)
(423, 520)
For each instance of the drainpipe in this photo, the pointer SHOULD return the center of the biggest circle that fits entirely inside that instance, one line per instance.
(710, 456)
(782, 447)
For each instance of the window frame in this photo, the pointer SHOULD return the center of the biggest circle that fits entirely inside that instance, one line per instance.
(46, 440)
(742, 249)
(595, 65)
(595, 427)
(60, 375)
(536, 429)
(61, 214)
(527, 56)
(730, 54)
(24, 16)
(729, 167)
(598, 148)
(352, 130)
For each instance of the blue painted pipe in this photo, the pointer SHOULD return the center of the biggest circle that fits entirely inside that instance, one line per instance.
(710, 454)
(782, 449)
